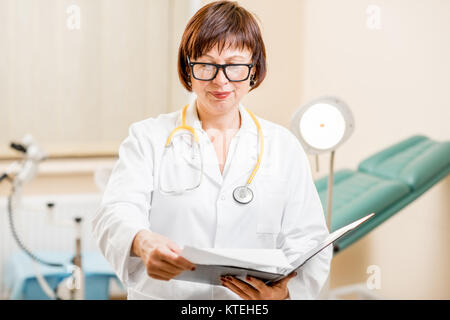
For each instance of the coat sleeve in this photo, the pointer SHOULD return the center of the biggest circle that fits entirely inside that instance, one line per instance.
(125, 205)
(303, 227)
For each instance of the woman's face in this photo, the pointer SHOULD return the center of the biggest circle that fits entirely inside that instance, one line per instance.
(220, 96)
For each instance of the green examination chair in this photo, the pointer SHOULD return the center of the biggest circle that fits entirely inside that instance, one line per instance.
(384, 183)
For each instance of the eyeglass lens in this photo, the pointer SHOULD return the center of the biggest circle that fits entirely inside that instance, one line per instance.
(232, 72)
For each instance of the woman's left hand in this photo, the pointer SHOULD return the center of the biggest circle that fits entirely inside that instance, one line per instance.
(258, 290)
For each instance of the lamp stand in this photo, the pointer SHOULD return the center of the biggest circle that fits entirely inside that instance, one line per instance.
(330, 190)
(325, 293)
(359, 289)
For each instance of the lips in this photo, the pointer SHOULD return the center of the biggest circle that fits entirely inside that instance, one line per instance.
(221, 94)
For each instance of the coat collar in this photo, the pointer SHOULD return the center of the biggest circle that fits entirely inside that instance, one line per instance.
(192, 119)
(243, 160)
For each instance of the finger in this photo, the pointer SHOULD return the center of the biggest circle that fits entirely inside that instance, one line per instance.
(164, 265)
(236, 290)
(180, 262)
(246, 288)
(163, 268)
(174, 247)
(155, 261)
(157, 277)
(161, 273)
(258, 284)
(283, 282)
(165, 254)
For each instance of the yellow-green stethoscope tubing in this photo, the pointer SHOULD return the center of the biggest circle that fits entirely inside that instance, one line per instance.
(241, 194)
(182, 127)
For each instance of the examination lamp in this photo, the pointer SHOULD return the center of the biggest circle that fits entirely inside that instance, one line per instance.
(321, 127)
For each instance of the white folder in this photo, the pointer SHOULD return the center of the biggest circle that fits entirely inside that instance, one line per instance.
(269, 265)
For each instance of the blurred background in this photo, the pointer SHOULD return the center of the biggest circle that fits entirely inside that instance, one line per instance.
(76, 73)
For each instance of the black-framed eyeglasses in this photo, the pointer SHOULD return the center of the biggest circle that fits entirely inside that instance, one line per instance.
(208, 71)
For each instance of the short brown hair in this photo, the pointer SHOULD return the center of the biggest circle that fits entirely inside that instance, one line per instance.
(221, 23)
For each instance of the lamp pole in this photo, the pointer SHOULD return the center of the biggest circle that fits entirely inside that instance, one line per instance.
(330, 190)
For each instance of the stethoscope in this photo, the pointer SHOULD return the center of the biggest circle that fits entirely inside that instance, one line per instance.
(242, 194)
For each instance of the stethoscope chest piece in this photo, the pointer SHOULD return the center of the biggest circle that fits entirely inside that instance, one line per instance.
(243, 194)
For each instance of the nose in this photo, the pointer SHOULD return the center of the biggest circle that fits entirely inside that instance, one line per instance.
(220, 78)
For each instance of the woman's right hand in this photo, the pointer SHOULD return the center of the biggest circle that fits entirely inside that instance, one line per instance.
(160, 255)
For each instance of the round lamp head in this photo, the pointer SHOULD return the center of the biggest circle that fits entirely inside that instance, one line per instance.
(323, 124)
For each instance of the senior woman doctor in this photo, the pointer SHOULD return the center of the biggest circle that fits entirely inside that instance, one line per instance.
(145, 218)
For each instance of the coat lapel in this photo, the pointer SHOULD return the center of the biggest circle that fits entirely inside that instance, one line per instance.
(244, 158)
(245, 155)
(208, 154)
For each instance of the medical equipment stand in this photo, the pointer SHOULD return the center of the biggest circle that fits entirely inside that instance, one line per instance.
(330, 190)
(326, 288)
(77, 290)
(33, 156)
(358, 289)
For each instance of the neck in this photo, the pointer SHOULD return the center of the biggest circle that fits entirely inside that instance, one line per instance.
(224, 122)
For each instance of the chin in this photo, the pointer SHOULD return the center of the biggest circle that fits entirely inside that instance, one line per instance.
(221, 105)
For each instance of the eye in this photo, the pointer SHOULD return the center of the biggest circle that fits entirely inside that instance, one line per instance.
(206, 67)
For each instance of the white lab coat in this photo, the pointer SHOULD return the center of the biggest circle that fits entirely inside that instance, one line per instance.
(285, 213)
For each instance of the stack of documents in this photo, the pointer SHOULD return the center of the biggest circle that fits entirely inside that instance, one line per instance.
(269, 265)
(262, 259)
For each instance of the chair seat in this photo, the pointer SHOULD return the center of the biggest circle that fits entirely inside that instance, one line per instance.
(357, 194)
(415, 161)
(385, 183)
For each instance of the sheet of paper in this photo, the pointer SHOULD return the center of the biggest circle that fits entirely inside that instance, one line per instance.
(246, 258)
(329, 240)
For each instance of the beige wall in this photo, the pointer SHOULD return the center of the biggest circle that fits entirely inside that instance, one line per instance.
(78, 90)
(396, 82)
